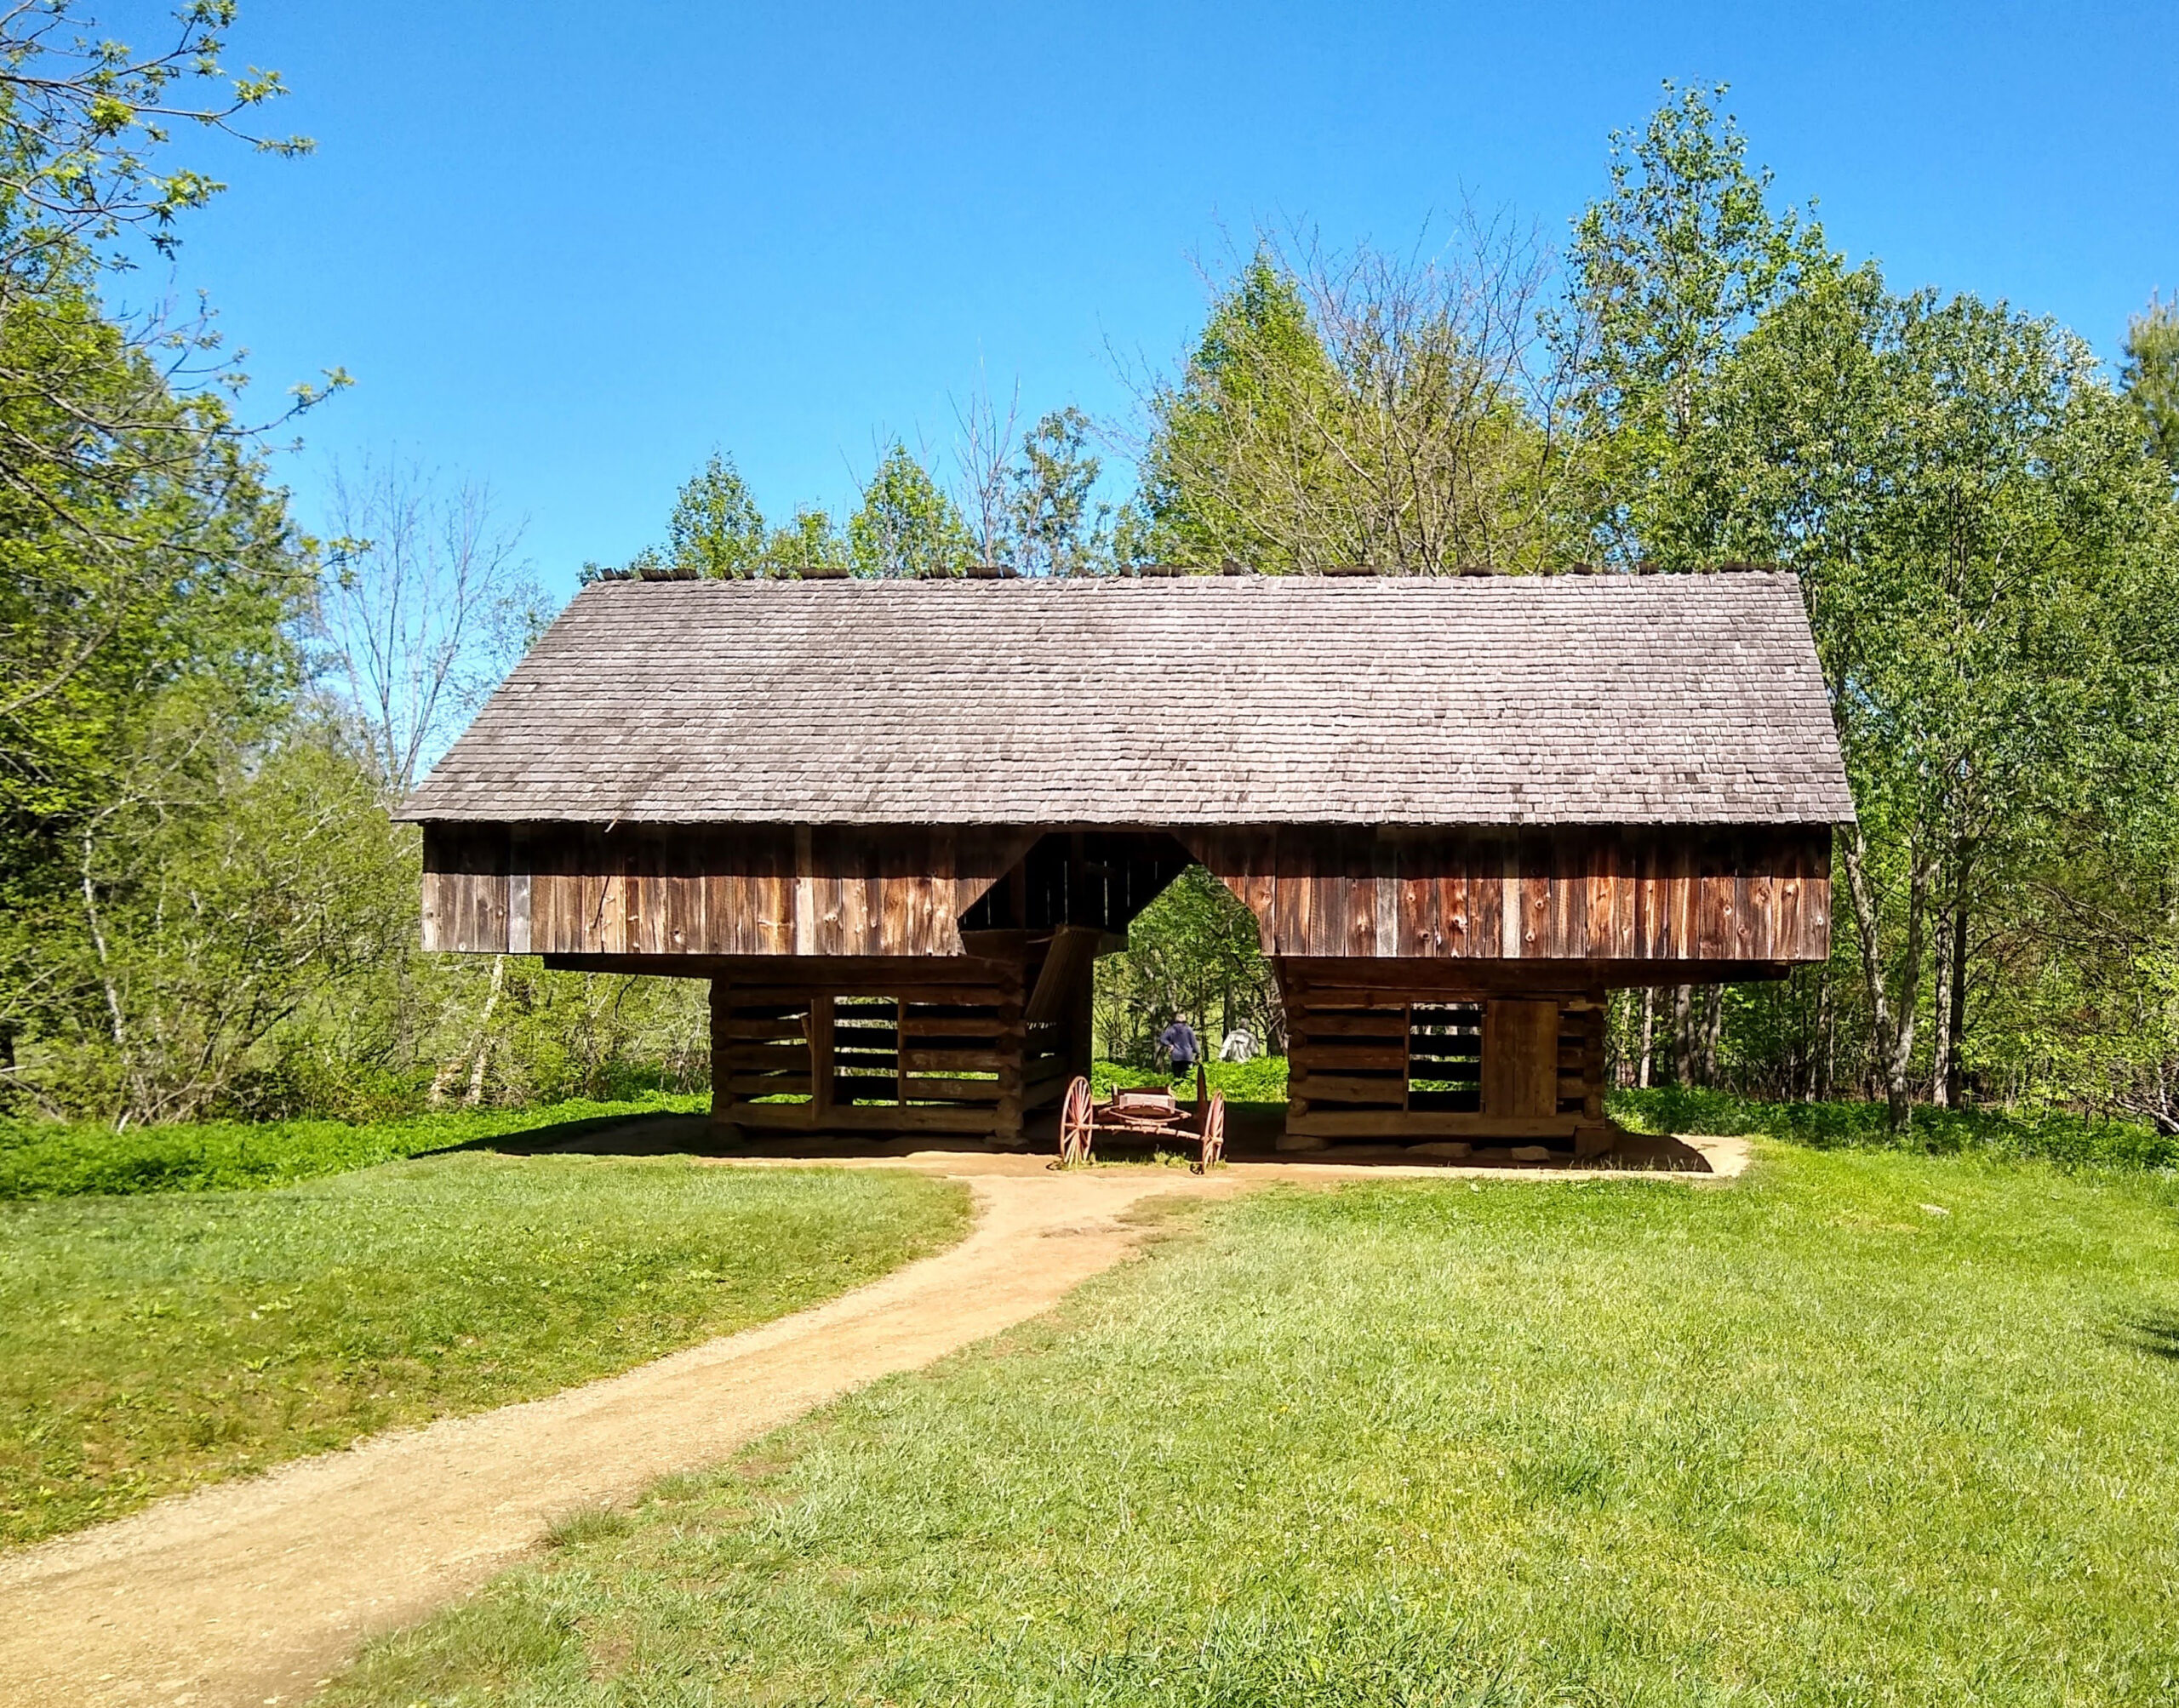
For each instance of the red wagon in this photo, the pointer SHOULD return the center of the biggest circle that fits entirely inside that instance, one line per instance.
(1143, 1112)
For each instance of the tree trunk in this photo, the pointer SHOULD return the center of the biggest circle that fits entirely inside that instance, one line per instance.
(1649, 1033)
(1941, 1013)
(1955, 1050)
(1891, 1015)
(1683, 1033)
(1714, 1029)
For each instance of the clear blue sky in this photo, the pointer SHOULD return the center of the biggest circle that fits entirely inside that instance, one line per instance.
(567, 250)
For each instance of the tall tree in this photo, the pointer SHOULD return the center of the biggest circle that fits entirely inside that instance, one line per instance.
(1360, 407)
(2150, 375)
(1961, 493)
(1667, 272)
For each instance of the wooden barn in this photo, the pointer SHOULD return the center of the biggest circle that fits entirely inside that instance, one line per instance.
(893, 823)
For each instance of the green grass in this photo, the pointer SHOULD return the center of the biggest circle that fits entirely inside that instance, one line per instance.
(2051, 1136)
(52, 1159)
(1864, 1428)
(152, 1342)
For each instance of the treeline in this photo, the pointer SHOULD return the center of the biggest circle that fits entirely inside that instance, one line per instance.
(205, 715)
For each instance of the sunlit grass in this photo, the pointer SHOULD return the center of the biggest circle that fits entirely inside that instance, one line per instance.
(1862, 1428)
(150, 1343)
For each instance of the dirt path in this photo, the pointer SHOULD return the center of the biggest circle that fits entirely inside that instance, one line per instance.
(254, 1591)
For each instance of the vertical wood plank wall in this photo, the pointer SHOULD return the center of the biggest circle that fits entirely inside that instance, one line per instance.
(1575, 894)
(661, 890)
(1578, 893)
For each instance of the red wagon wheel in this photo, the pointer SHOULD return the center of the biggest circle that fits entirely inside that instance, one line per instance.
(1214, 1133)
(1077, 1123)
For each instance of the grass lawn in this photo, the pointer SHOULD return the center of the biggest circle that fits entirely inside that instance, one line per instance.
(1865, 1427)
(53, 1159)
(148, 1343)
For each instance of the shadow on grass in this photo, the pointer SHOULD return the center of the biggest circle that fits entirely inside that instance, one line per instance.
(661, 1134)
(2157, 1335)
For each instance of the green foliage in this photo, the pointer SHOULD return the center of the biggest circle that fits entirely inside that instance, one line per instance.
(1193, 954)
(716, 531)
(1262, 1080)
(1665, 272)
(148, 1345)
(1864, 1427)
(1357, 408)
(808, 542)
(2040, 1135)
(906, 525)
(2151, 375)
(1988, 558)
(56, 1159)
(1054, 531)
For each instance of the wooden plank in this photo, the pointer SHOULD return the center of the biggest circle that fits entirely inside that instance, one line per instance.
(767, 1056)
(1409, 1125)
(1520, 1051)
(1345, 1055)
(952, 1061)
(916, 1089)
(1327, 1022)
(1347, 1088)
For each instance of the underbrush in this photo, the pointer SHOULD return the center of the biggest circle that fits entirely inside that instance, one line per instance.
(53, 1159)
(1261, 1081)
(2068, 1140)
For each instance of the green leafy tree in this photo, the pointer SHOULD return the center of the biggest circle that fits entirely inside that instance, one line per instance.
(1360, 408)
(1193, 954)
(809, 544)
(906, 525)
(716, 530)
(1667, 272)
(2151, 375)
(1056, 529)
(1963, 496)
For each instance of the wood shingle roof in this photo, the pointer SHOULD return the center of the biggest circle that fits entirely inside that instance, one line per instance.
(1220, 700)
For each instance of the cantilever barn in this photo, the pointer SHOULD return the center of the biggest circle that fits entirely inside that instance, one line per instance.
(893, 823)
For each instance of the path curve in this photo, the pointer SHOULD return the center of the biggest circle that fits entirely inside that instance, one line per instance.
(252, 1592)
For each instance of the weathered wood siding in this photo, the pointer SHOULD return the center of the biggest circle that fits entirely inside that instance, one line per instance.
(666, 890)
(1575, 895)
(898, 1045)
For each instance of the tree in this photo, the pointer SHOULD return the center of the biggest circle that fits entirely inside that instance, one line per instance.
(2151, 375)
(1961, 492)
(809, 544)
(1667, 272)
(423, 607)
(93, 411)
(906, 526)
(716, 530)
(1053, 527)
(1194, 953)
(1360, 408)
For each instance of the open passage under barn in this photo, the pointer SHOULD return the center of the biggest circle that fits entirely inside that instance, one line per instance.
(895, 823)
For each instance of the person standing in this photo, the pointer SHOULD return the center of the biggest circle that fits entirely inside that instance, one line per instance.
(1179, 1045)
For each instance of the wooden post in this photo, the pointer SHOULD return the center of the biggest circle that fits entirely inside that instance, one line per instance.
(724, 1127)
(1013, 1050)
(821, 1060)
